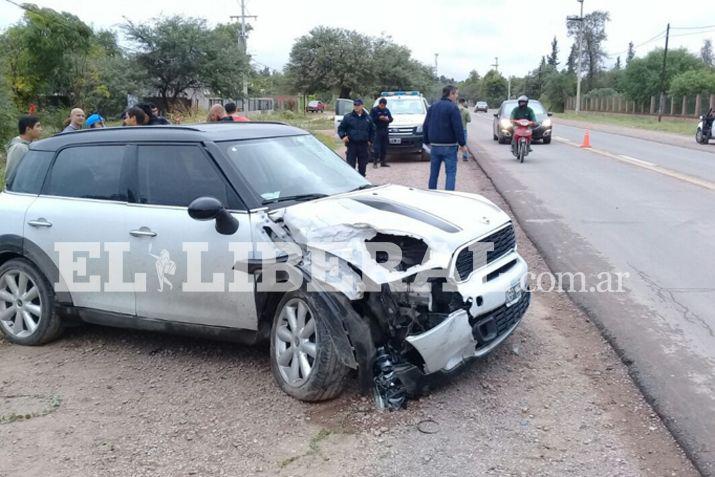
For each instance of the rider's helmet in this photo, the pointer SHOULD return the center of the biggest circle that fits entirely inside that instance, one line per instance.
(523, 100)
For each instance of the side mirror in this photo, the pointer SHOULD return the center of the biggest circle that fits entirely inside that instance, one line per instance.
(549, 114)
(209, 208)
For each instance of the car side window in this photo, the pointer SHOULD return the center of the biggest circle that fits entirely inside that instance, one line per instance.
(28, 176)
(175, 175)
(88, 172)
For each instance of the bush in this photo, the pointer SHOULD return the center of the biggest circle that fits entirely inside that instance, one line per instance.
(691, 83)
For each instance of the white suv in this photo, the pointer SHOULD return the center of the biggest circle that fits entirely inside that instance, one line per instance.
(256, 232)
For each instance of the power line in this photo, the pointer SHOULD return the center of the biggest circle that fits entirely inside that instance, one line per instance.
(693, 28)
(655, 38)
(693, 33)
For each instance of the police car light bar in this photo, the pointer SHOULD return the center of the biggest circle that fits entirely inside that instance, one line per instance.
(400, 93)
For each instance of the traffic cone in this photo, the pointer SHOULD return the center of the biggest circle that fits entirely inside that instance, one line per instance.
(586, 140)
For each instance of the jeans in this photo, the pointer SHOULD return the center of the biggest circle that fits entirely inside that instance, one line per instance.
(465, 154)
(448, 155)
(358, 152)
(379, 147)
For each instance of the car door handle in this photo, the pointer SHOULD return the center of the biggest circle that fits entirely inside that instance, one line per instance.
(142, 232)
(41, 222)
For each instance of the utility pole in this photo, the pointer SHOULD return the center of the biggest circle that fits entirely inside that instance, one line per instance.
(436, 65)
(496, 64)
(580, 54)
(661, 103)
(508, 89)
(242, 43)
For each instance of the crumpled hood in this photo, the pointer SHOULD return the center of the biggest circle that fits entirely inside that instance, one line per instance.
(341, 224)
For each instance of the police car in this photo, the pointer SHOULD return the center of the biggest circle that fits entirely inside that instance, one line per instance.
(408, 109)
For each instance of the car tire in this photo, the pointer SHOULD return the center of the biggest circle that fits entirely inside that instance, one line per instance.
(294, 341)
(495, 137)
(24, 289)
(503, 140)
(700, 137)
(547, 140)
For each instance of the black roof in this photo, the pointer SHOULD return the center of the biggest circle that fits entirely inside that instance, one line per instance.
(214, 132)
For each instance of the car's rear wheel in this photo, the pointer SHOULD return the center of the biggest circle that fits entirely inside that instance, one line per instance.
(27, 305)
(303, 359)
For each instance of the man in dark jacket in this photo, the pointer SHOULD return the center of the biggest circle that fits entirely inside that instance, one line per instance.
(444, 134)
(382, 118)
(357, 132)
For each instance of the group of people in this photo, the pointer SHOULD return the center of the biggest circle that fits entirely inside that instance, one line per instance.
(444, 133)
(359, 131)
(143, 114)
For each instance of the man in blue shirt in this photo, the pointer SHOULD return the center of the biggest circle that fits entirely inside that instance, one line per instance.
(444, 134)
(382, 118)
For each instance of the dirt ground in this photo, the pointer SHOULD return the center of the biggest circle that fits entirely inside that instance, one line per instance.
(554, 399)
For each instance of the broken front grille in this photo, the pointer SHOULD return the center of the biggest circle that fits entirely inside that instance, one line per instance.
(486, 328)
(504, 241)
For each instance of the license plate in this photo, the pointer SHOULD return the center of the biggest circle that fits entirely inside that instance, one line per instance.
(513, 294)
(395, 140)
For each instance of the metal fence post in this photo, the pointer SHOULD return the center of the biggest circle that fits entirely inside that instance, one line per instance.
(652, 105)
(684, 108)
(672, 105)
(698, 105)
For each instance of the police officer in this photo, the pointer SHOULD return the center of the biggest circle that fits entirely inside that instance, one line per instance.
(357, 132)
(382, 118)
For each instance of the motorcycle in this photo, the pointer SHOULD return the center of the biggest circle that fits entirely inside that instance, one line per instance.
(522, 138)
(705, 128)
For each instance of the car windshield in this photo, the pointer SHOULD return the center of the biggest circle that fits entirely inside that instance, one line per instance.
(534, 105)
(294, 166)
(406, 106)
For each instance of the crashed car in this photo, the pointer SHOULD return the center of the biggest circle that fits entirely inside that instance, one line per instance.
(256, 232)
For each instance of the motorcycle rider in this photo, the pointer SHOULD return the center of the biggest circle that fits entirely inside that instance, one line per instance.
(522, 111)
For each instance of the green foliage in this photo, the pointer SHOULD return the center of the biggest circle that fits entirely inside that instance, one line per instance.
(494, 88)
(471, 88)
(553, 59)
(693, 82)
(558, 87)
(706, 52)
(180, 53)
(8, 115)
(642, 77)
(593, 31)
(346, 62)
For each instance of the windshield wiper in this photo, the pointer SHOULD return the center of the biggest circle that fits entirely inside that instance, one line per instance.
(363, 187)
(297, 197)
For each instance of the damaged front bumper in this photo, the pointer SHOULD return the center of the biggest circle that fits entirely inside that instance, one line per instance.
(497, 308)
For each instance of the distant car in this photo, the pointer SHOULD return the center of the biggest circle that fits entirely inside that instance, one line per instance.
(481, 106)
(315, 107)
(503, 129)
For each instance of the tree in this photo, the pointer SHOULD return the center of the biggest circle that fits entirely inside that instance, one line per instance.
(617, 66)
(330, 59)
(553, 60)
(572, 62)
(593, 36)
(179, 53)
(471, 88)
(494, 87)
(693, 82)
(706, 52)
(393, 68)
(631, 53)
(558, 87)
(642, 77)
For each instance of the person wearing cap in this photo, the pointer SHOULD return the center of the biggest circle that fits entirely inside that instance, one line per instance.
(382, 118)
(357, 132)
(94, 121)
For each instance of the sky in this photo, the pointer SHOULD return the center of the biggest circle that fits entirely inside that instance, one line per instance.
(467, 34)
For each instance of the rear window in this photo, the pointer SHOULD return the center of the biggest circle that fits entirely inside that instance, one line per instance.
(28, 176)
(88, 172)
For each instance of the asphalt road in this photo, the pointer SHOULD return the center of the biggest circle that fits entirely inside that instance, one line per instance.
(630, 206)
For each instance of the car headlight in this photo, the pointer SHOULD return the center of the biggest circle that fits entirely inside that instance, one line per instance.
(418, 129)
(505, 123)
(546, 122)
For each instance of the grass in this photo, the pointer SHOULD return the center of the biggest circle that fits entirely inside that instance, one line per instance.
(685, 127)
(310, 121)
(313, 448)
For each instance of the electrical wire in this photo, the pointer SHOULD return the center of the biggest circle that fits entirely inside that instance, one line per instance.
(656, 37)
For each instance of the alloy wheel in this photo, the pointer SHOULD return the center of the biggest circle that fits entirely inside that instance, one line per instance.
(20, 304)
(296, 342)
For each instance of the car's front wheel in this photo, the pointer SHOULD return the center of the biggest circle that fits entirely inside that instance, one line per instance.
(27, 305)
(303, 359)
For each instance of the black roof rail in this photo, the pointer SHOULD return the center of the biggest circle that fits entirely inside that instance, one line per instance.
(124, 128)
